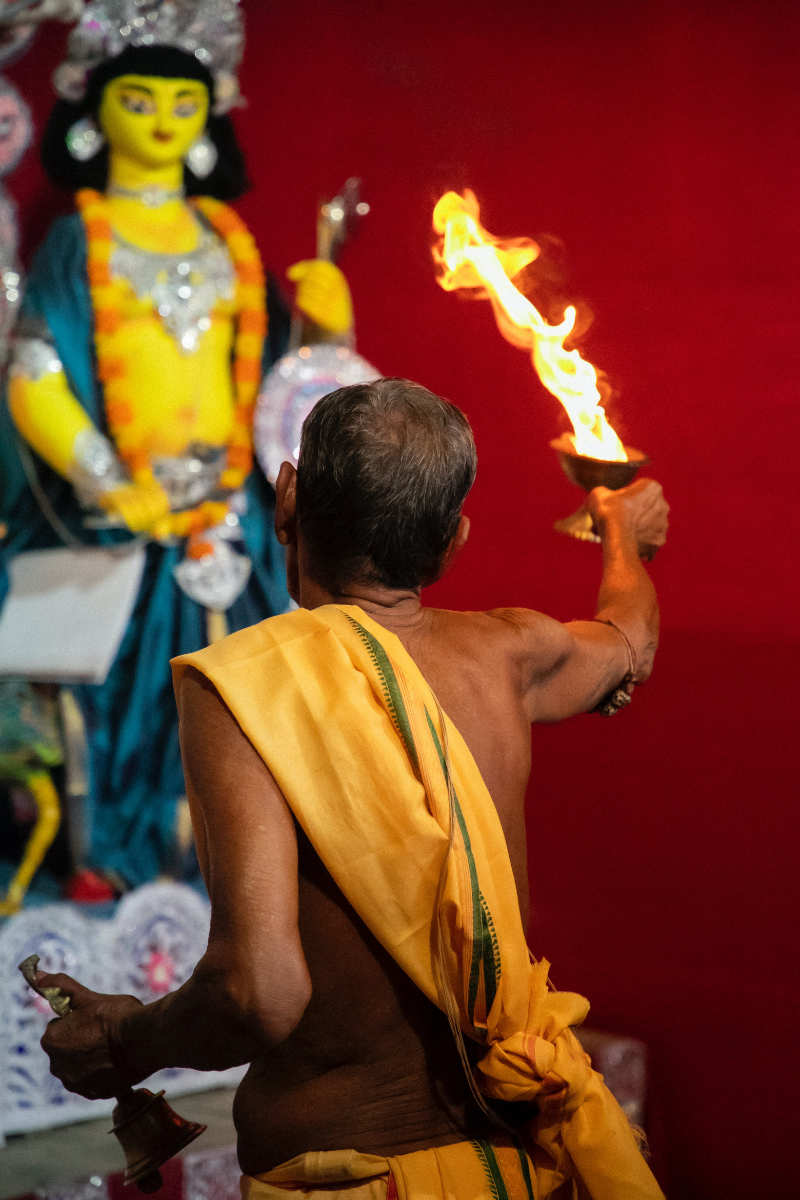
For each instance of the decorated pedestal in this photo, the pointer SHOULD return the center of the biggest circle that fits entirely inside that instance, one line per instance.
(149, 946)
(199, 1174)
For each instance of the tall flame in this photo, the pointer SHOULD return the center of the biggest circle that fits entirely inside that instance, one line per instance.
(469, 257)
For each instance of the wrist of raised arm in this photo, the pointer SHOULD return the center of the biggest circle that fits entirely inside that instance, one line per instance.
(618, 537)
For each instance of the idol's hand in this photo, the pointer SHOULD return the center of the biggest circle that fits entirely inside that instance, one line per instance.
(84, 1046)
(323, 294)
(138, 505)
(640, 510)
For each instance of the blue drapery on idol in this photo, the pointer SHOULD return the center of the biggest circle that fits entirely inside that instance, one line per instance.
(135, 775)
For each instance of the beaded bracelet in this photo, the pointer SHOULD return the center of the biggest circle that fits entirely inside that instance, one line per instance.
(620, 696)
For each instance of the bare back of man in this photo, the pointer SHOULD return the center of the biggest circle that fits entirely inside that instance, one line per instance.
(372, 1063)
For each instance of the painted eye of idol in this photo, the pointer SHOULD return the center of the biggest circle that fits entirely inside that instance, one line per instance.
(186, 106)
(135, 101)
(143, 103)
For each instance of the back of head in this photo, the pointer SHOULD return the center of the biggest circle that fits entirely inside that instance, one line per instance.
(383, 472)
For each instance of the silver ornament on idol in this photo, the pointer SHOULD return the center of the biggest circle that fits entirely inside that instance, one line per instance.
(10, 273)
(95, 468)
(184, 288)
(151, 197)
(290, 391)
(85, 139)
(217, 579)
(210, 30)
(33, 358)
(192, 477)
(202, 156)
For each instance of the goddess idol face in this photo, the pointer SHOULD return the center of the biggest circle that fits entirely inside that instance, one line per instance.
(151, 120)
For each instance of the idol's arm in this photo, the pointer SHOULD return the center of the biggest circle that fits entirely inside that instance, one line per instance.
(47, 415)
(251, 987)
(51, 420)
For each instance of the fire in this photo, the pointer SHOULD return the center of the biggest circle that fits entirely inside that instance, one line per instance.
(468, 257)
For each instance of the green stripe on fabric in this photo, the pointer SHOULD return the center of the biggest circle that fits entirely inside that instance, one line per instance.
(525, 1168)
(477, 914)
(491, 1166)
(485, 947)
(390, 688)
(491, 977)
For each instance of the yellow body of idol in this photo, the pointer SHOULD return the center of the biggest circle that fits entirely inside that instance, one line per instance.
(177, 398)
(163, 451)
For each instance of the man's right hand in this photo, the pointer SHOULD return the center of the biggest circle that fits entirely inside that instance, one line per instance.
(639, 510)
(84, 1046)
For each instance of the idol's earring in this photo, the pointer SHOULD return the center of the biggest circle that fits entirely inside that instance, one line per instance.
(84, 139)
(202, 156)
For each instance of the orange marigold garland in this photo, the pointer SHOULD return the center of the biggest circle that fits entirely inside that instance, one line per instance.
(251, 328)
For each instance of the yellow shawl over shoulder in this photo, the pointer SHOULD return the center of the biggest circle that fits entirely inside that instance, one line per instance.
(391, 799)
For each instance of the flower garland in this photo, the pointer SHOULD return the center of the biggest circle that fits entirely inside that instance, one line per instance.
(251, 328)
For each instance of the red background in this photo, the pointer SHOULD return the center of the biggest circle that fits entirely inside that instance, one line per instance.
(659, 142)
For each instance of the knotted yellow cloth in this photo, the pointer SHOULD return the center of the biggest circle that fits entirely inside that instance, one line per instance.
(493, 1170)
(392, 801)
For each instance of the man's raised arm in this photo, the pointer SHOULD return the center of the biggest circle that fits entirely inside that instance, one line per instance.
(251, 987)
(568, 669)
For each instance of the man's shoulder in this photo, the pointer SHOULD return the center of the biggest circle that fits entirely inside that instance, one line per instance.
(247, 644)
(518, 641)
(510, 626)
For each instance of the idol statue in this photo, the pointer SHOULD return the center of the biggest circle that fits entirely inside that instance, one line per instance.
(144, 334)
(30, 742)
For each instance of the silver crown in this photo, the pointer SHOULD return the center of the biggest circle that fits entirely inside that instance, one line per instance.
(211, 30)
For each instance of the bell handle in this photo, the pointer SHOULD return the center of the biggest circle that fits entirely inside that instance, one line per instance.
(59, 1001)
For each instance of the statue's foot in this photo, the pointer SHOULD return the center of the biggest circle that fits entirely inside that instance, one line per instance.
(88, 887)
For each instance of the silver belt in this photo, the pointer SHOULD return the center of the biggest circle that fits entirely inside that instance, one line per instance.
(190, 478)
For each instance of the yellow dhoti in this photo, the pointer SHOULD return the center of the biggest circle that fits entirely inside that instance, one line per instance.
(392, 801)
(472, 1170)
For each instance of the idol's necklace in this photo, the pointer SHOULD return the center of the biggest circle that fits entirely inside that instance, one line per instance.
(152, 196)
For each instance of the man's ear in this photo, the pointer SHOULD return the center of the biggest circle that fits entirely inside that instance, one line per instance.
(286, 505)
(462, 535)
(457, 544)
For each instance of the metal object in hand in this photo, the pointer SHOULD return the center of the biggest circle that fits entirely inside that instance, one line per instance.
(59, 1001)
(148, 1130)
(590, 473)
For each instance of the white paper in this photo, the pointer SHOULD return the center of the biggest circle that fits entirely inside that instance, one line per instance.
(67, 611)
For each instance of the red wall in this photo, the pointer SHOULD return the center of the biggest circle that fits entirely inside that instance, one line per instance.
(659, 142)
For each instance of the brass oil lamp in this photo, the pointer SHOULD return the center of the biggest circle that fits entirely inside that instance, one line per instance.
(590, 473)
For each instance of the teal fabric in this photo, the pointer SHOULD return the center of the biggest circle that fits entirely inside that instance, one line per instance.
(135, 775)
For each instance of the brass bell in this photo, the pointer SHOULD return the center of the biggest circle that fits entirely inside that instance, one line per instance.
(149, 1132)
(147, 1129)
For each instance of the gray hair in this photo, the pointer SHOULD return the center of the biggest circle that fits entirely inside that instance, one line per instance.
(383, 472)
